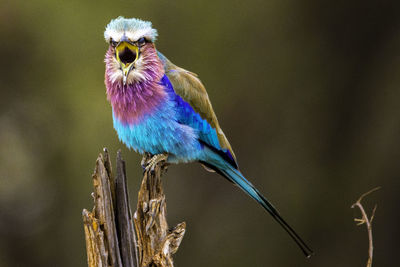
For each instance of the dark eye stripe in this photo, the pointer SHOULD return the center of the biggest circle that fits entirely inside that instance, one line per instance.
(113, 43)
(141, 41)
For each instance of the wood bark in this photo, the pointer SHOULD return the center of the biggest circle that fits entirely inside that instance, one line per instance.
(110, 229)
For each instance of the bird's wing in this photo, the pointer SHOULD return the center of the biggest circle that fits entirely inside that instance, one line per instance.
(188, 86)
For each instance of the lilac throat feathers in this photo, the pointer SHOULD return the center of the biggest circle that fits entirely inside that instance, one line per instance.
(142, 93)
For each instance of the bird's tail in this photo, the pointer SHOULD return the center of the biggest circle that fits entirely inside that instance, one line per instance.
(232, 174)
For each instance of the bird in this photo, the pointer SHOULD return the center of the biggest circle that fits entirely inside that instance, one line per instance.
(164, 111)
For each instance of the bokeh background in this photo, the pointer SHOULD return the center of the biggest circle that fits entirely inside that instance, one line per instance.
(306, 91)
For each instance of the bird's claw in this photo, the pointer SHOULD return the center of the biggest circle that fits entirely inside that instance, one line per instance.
(145, 159)
(152, 163)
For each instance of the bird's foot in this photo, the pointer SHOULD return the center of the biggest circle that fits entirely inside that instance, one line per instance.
(151, 164)
(146, 157)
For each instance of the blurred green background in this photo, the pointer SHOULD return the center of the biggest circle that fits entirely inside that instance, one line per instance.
(306, 91)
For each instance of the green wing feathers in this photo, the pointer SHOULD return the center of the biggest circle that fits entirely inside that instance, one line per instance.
(188, 86)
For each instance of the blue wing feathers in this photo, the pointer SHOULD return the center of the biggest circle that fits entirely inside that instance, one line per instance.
(187, 116)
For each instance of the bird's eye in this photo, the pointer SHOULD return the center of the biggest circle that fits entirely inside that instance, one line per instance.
(113, 43)
(141, 41)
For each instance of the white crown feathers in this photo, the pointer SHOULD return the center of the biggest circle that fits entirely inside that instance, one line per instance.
(132, 28)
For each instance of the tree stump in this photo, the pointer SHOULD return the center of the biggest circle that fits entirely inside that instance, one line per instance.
(110, 230)
(156, 241)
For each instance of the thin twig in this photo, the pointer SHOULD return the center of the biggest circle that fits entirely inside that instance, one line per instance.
(364, 220)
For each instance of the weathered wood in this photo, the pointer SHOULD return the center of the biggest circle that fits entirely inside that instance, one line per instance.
(104, 207)
(156, 241)
(100, 226)
(95, 245)
(109, 230)
(126, 231)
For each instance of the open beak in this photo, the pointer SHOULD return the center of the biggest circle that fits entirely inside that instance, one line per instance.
(126, 55)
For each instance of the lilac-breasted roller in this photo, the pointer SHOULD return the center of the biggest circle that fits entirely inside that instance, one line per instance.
(164, 110)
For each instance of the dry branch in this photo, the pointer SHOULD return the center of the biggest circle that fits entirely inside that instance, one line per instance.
(156, 241)
(368, 222)
(110, 230)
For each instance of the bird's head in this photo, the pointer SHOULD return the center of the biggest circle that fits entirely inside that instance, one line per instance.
(131, 56)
